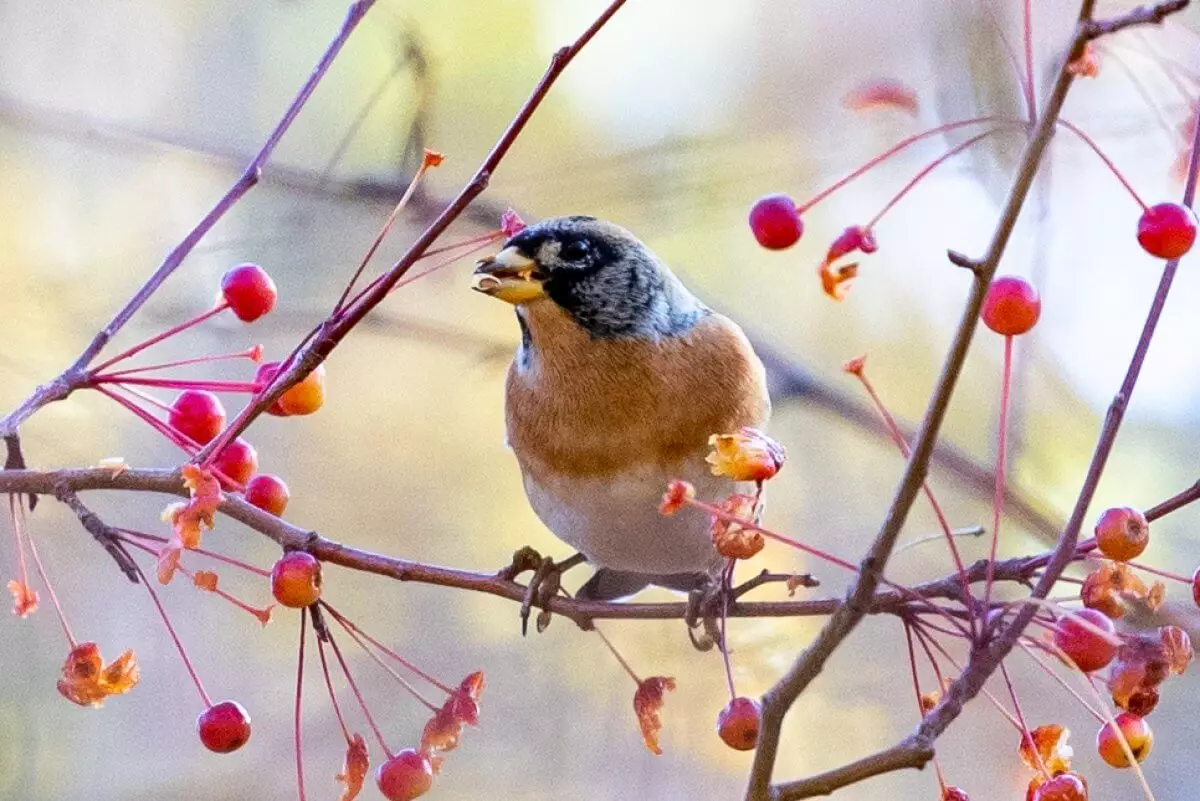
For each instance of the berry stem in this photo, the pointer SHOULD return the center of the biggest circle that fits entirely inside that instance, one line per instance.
(349, 625)
(1012, 693)
(930, 167)
(1016, 724)
(726, 587)
(413, 691)
(1001, 468)
(1108, 717)
(731, 518)
(337, 652)
(250, 353)
(1160, 572)
(258, 571)
(620, 659)
(1091, 143)
(1061, 681)
(170, 332)
(337, 708)
(41, 570)
(916, 681)
(483, 242)
(163, 428)
(296, 710)
(187, 663)
(261, 614)
(16, 510)
(887, 154)
(179, 383)
(1030, 95)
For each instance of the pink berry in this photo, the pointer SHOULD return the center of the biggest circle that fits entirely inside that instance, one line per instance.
(405, 776)
(249, 291)
(197, 415)
(296, 579)
(224, 727)
(775, 222)
(1063, 787)
(1167, 230)
(1196, 586)
(737, 725)
(268, 493)
(1137, 734)
(1011, 306)
(1088, 649)
(237, 461)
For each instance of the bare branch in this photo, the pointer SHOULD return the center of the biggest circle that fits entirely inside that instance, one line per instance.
(103, 534)
(1153, 14)
(913, 752)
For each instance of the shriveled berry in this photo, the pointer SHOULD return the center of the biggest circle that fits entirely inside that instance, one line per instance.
(405, 776)
(198, 415)
(1011, 306)
(775, 222)
(738, 723)
(1122, 533)
(1137, 734)
(1063, 787)
(249, 291)
(224, 727)
(1167, 230)
(237, 461)
(304, 398)
(296, 579)
(268, 493)
(1142, 701)
(1086, 647)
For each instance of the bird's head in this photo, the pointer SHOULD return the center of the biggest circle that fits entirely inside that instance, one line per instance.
(600, 274)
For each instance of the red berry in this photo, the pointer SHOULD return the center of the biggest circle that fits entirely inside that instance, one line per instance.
(197, 415)
(405, 776)
(268, 493)
(775, 222)
(1196, 586)
(1122, 533)
(1011, 306)
(249, 291)
(1087, 648)
(1063, 787)
(224, 727)
(738, 723)
(1137, 734)
(1167, 230)
(955, 794)
(237, 461)
(296, 579)
(304, 398)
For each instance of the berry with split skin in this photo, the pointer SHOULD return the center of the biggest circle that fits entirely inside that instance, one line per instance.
(405, 776)
(237, 461)
(1137, 734)
(1011, 306)
(296, 579)
(1063, 787)
(775, 222)
(1167, 230)
(1076, 635)
(198, 415)
(304, 398)
(737, 725)
(268, 493)
(224, 727)
(249, 291)
(1122, 533)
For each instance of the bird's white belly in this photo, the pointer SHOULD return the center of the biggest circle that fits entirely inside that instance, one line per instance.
(615, 520)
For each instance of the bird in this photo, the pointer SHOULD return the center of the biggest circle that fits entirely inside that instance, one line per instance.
(620, 378)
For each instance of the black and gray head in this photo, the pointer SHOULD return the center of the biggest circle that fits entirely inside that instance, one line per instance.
(603, 276)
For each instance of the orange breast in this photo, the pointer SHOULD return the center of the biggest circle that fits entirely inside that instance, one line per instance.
(584, 406)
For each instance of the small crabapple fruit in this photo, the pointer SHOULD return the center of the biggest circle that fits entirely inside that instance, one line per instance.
(737, 725)
(775, 222)
(237, 461)
(305, 397)
(198, 415)
(268, 493)
(224, 727)
(296, 579)
(405, 776)
(1122, 533)
(1011, 306)
(249, 291)
(1137, 734)
(952, 793)
(1086, 647)
(1167, 230)
(1063, 787)
(1196, 586)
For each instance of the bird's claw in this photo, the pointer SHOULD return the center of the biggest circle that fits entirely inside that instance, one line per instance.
(545, 583)
(703, 606)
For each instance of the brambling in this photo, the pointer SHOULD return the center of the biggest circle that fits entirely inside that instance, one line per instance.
(620, 378)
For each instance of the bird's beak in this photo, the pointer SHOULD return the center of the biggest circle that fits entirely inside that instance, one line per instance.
(509, 276)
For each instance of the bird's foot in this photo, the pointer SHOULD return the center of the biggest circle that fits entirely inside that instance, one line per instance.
(705, 606)
(543, 585)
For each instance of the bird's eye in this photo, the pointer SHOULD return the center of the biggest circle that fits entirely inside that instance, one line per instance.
(576, 250)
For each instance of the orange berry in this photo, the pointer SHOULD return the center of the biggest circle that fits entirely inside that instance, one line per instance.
(1137, 734)
(1122, 533)
(737, 725)
(1063, 787)
(1011, 306)
(268, 493)
(304, 398)
(296, 579)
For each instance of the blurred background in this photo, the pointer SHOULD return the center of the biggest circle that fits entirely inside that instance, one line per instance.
(122, 121)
